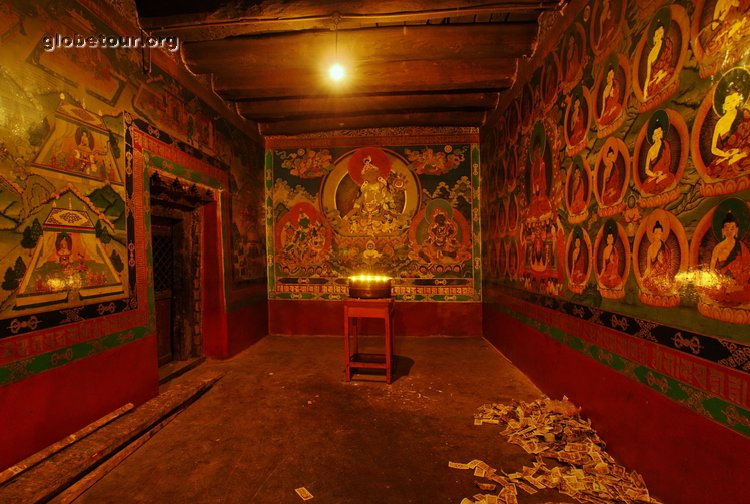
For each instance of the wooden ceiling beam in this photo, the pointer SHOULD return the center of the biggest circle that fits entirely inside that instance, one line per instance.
(277, 16)
(287, 108)
(394, 77)
(297, 127)
(434, 42)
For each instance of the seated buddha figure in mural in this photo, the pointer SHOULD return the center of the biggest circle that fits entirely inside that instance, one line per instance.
(730, 261)
(658, 158)
(729, 25)
(63, 248)
(578, 257)
(577, 192)
(540, 204)
(659, 66)
(610, 99)
(577, 124)
(374, 208)
(611, 183)
(75, 152)
(550, 81)
(79, 153)
(610, 267)
(657, 275)
(606, 23)
(730, 141)
(572, 60)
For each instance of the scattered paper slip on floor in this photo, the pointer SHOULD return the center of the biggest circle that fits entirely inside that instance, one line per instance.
(553, 431)
(303, 493)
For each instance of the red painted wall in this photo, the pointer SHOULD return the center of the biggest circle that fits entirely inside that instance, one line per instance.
(227, 331)
(683, 457)
(49, 406)
(247, 325)
(213, 315)
(410, 318)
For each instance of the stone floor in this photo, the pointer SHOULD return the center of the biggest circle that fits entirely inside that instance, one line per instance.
(283, 417)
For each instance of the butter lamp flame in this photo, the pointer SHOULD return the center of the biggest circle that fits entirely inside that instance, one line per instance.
(369, 286)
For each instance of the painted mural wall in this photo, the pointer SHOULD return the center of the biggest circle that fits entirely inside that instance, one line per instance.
(617, 190)
(405, 206)
(75, 127)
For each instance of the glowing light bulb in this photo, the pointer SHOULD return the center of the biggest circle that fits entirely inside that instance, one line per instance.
(337, 72)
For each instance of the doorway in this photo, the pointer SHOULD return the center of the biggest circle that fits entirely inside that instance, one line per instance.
(176, 251)
(166, 297)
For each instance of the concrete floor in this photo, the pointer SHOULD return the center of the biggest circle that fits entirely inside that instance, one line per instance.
(283, 417)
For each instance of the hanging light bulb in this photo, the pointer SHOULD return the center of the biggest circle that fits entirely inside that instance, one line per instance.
(336, 72)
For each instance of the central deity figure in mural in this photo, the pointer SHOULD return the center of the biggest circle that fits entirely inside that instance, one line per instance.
(374, 209)
(370, 192)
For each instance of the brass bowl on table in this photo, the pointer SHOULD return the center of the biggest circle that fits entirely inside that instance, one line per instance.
(369, 286)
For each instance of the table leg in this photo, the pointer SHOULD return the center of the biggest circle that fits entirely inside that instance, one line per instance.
(346, 345)
(388, 348)
(355, 330)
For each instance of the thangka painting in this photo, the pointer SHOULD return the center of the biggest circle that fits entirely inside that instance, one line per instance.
(630, 174)
(402, 211)
(65, 240)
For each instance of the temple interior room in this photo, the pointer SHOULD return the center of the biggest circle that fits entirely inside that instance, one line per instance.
(455, 251)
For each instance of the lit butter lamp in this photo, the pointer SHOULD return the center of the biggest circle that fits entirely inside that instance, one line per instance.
(369, 286)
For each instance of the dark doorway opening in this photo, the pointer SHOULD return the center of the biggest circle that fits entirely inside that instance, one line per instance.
(167, 273)
(176, 250)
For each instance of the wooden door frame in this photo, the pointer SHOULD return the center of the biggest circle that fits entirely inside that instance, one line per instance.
(187, 230)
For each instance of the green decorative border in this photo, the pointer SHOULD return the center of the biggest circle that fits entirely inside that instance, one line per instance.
(699, 401)
(22, 369)
(476, 221)
(270, 251)
(158, 161)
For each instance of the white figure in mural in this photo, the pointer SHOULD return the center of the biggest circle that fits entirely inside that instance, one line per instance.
(658, 62)
(728, 149)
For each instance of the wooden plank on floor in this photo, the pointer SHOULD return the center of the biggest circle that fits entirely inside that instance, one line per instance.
(74, 491)
(50, 477)
(37, 457)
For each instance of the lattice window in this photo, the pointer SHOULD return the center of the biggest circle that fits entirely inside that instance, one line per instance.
(163, 262)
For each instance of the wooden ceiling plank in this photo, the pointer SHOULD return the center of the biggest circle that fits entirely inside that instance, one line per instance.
(277, 16)
(475, 41)
(300, 107)
(296, 127)
(413, 76)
